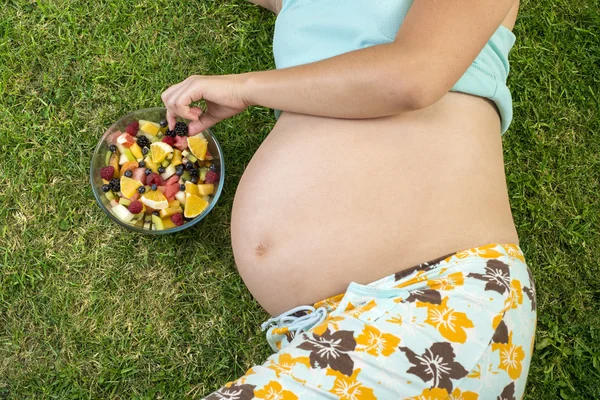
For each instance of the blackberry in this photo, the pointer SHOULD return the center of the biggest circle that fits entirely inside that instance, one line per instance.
(194, 172)
(182, 187)
(161, 170)
(115, 185)
(112, 148)
(142, 164)
(163, 123)
(181, 129)
(128, 173)
(105, 188)
(148, 171)
(143, 141)
(170, 133)
(144, 150)
(141, 190)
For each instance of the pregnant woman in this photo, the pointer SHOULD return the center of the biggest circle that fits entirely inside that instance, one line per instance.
(374, 223)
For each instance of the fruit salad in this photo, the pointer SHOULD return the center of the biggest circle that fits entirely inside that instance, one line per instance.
(156, 178)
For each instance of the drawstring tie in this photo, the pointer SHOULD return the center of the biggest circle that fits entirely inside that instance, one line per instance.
(313, 317)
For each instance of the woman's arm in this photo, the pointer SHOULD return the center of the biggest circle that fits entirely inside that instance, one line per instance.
(437, 42)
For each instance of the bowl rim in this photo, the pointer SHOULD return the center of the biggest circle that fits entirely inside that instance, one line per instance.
(98, 194)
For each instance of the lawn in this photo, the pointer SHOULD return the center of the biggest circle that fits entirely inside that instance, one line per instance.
(88, 310)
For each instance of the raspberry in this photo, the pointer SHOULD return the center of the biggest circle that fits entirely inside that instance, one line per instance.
(154, 179)
(135, 207)
(177, 219)
(133, 128)
(169, 140)
(107, 173)
(211, 177)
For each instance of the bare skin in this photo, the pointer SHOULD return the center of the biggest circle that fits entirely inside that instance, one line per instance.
(326, 201)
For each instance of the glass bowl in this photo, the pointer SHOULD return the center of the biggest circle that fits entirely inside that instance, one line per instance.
(99, 158)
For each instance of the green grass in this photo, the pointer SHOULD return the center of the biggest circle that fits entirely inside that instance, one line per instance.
(88, 310)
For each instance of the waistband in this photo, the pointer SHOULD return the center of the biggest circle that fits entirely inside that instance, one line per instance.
(303, 318)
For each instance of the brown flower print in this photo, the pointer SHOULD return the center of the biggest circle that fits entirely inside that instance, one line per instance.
(501, 334)
(330, 350)
(508, 393)
(496, 275)
(436, 365)
(425, 296)
(233, 392)
(424, 266)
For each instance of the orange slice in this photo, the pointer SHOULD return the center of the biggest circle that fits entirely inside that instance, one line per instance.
(198, 146)
(191, 188)
(155, 199)
(129, 186)
(160, 151)
(194, 205)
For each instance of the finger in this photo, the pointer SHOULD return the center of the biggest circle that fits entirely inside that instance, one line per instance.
(196, 111)
(204, 122)
(171, 120)
(181, 105)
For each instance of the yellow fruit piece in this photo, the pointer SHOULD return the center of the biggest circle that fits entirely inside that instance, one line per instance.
(160, 151)
(114, 162)
(177, 158)
(191, 188)
(129, 186)
(136, 150)
(155, 199)
(167, 212)
(206, 189)
(194, 205)
(167, 223)
(151, 165)
(105, 181)
(150, 128)
(129, 165)
(174, 203)
(198, 146)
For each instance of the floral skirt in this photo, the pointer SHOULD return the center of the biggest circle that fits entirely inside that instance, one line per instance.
(458, 327)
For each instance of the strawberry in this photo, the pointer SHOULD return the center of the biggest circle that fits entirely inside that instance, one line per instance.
(177, 219)
(133, 128)
(169, 140)
(172, 180)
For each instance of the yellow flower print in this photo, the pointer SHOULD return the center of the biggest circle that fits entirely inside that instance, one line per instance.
(331, 303)
(274, 391)
(419, 277)
(395, 320)
(447, 282)
(516, 293)
(280, 331)
(361, 309)
(514, 251)
(432, 394)
(347, 388)
(487, 251)
(286, 363)
(458, 395)
(450, 323)
(330, 322)
(373, 342)
(511, 357)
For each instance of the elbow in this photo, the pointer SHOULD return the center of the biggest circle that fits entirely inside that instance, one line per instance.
(415, 94)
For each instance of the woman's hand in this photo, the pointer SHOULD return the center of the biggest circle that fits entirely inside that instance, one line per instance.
(223, 96)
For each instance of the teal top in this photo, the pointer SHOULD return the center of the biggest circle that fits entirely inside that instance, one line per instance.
(313, 30)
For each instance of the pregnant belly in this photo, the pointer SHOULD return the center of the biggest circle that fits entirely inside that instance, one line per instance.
(327, 201)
